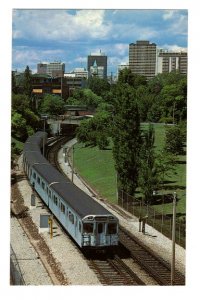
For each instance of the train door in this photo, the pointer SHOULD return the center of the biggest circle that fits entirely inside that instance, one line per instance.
(100, 233)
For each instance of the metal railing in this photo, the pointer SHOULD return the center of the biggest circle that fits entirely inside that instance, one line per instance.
(159, 220)
(16, 275)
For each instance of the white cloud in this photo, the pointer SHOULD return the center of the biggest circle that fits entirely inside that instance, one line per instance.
(59, 24)
(168, 14)
(29, 56)
(120, 48)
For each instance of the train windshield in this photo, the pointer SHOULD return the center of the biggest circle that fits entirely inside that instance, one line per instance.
(88, 227)
(112, 228)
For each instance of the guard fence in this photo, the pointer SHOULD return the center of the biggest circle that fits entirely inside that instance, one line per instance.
(157, 219)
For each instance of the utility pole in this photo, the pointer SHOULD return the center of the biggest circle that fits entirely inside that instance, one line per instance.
(44, 138)
(173, 240)
(73, 163)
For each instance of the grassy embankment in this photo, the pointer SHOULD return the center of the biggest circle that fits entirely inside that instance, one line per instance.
(19, 145)
(97, 168)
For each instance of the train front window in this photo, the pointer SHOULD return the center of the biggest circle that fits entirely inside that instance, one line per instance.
(88, 227)
(112, 228)
(100, 227)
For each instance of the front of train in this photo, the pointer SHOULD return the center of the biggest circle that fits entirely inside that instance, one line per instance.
(100, 231)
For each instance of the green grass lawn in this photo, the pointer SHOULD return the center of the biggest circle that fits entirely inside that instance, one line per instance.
(97, 168)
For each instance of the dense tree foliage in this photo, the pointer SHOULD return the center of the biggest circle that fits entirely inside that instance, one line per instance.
(95, 131)
(174, 141)
(27, 83)
(134, 80)
(148, 175)
(98, 85)
(14, 84)
(23, 120)
(127, 103)
(52, 105)
(126, 137)
(85, 97)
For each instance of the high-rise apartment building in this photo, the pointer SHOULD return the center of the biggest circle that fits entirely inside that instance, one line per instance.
(97, 65)
(142, 58)
(54, 69)
(172, 61)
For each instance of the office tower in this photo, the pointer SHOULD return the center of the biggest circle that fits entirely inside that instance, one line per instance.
(54, 69)
(97, 65)
(172, 61)
(142, 58)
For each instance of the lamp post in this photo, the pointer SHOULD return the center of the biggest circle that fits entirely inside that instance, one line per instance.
(173, 240)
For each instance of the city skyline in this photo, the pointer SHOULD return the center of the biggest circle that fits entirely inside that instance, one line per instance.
(71, 35)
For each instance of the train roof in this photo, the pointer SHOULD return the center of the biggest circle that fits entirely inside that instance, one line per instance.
(35, 157)
(78, 200)
(82, 203)
(49, 173)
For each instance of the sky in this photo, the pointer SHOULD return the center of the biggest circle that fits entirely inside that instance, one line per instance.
(71, 35)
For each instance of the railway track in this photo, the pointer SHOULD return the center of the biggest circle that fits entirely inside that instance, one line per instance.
(155, 266)
(111, 270)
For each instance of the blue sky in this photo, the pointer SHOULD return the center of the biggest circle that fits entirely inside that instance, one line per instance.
(71, 35)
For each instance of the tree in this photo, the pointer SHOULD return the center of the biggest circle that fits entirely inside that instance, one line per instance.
(134, 80)
(174, 140)
(20, 102)
(21, 105)
(18, 124)
(148, 177)
(126, 137)
(14, 84)
(145, 101)
(27, 83)
(165, 165)
(85, 97)
(95, 131)
(98, 85)
(52, 105)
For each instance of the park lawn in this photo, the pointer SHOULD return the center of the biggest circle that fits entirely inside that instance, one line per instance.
(97, 168)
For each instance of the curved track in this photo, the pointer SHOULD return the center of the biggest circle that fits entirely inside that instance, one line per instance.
(112, 270)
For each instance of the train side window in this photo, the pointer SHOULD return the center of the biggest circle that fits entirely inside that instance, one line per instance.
(88, 227)
(43, 185)
(71, 217)
(62, 207)
(55, 200)
(34, 175)
(38, 180)
(112, 228)
(79, 226)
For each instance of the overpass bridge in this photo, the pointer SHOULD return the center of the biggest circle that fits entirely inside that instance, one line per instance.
(59, 122)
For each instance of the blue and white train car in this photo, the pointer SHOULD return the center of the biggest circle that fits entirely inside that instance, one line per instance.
(86, 221)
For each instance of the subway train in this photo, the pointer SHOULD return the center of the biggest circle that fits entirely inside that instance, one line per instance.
(85, 220)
